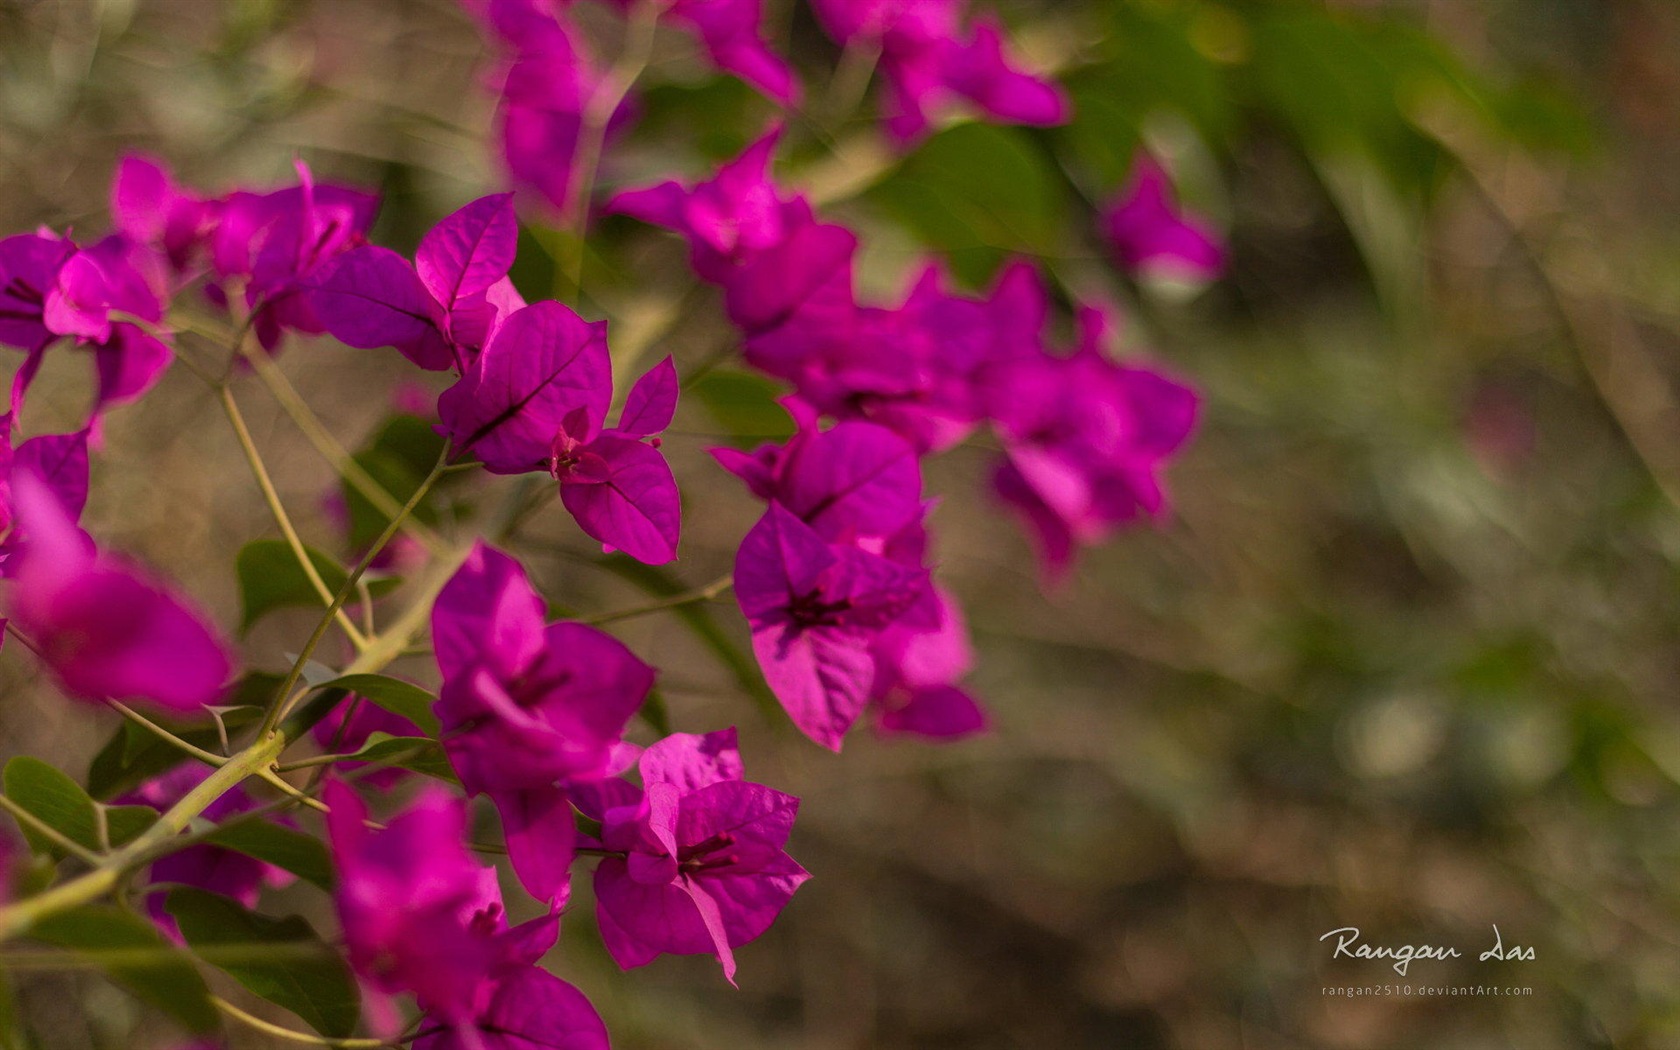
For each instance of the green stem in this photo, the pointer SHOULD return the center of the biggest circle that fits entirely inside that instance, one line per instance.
(699, 594)
(281, 518)
(207, 757)
(20, 916)
(293, 404)
(292, 1034)
(280, 708)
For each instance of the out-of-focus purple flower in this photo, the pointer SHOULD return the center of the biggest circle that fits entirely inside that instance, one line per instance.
(1152, 237)
(530, 1009)
(442, 310)
(1084, 440)
(527, 708)
(545, 84)
(918, 368)
(29, 265)
(58, 461)
(703, 869)
(208, 867)
(419, 914)
(105, 630)
(276, 244)
(148, 207)
(916, 673)
(730, 31)
(91, 291)
(727, 219)
(815, 610)
(930, 63)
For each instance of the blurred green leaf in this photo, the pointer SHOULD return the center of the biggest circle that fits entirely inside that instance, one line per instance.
(394, 695)
(60, 802)
(977, 192)
(744, 404)
(132, 953)
(417, 753)
(280, 960)
(285, 848)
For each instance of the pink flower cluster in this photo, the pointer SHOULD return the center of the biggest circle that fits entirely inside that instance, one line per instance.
(834, 579)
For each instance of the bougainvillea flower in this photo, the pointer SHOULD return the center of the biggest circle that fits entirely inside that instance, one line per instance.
(90, 293)
(620, 490)
(438, 312)
(528, 708)
(916, 671)
(794, 302)
(149, 208)
(726, 219)
(105, 630)
(1084, 440)
(853, 481)
(58, 461)
(208, 867)
(537, 398)
(929, 63)
(815, 609)
(703, 869)
(277, 243)
(29, 265)
(545, 88)
(1151, 236)
(528, 1010)
(543, 364)
(730, 31)
(407, 897)
(918, 368)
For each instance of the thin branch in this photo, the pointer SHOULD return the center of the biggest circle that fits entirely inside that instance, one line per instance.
(699, 594)
(292, 1034)
(293, 404)
(272, 497)
(282, 707)
(50, 833)
(209, 758)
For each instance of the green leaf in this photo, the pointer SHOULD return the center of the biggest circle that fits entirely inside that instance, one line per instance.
(744, 404)
(124, 824)
(53, 797)
(11, 1028)
(270, 578)
(281, 960)
(394, 695)
(978, 192)
(417, 753)
(293, 851)
(134, 754)
(132, 953)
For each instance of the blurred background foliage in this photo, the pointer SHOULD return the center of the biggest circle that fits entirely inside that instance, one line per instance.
(1403, 659)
